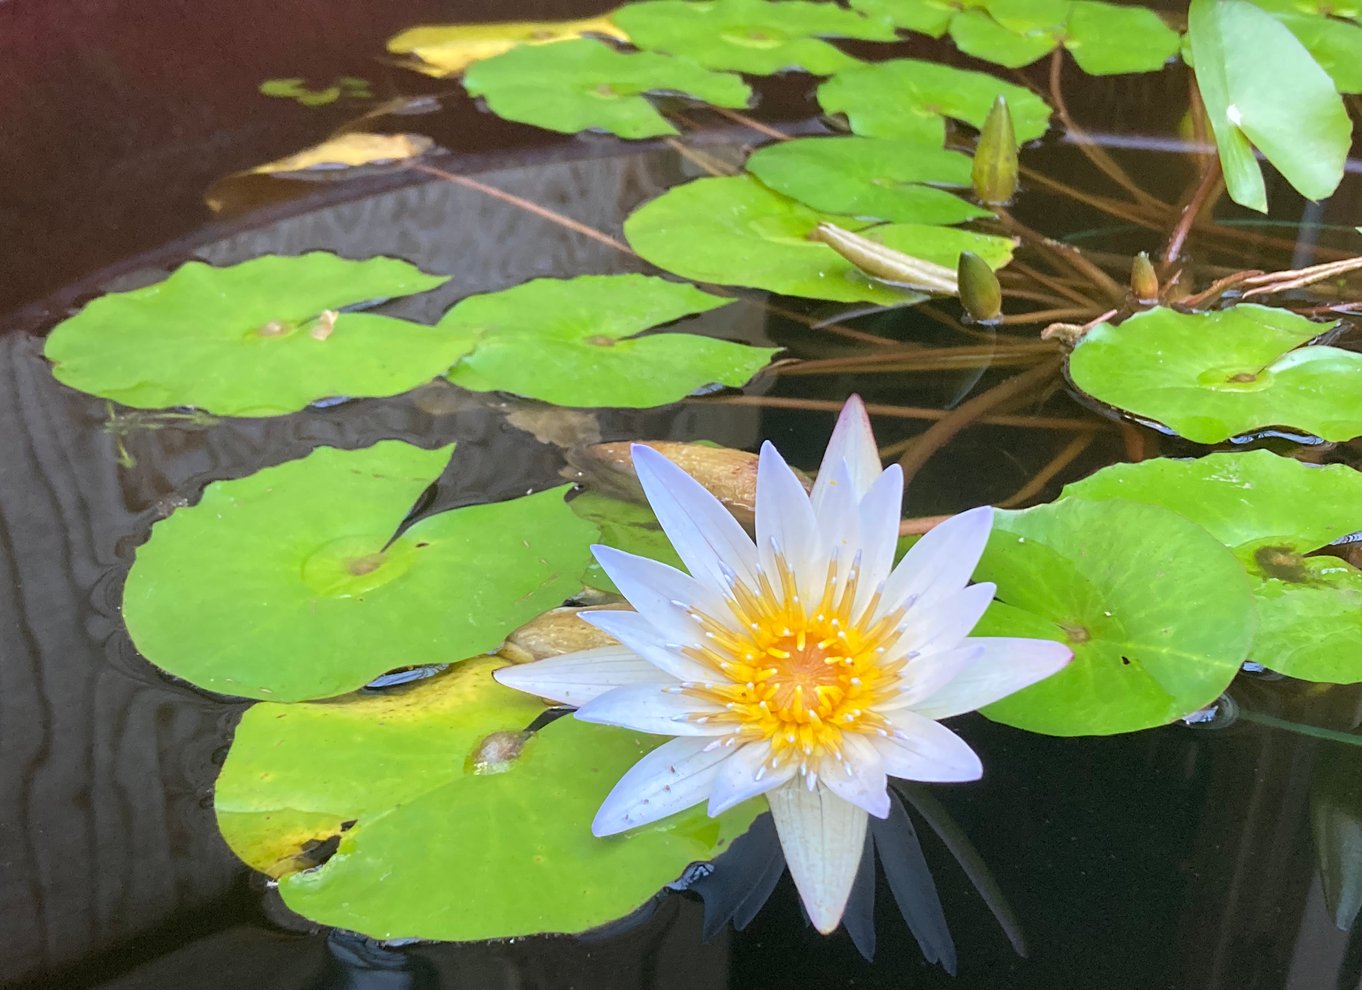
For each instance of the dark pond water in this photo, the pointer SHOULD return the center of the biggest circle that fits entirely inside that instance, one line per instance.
(1178, 858)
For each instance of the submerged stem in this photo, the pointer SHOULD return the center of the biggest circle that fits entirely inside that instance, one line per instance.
(941, 432)
(528, 206)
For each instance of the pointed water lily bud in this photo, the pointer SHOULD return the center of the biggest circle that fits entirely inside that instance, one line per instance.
(995, 157)
(885, 263)
(1144, 281)
(980, 293)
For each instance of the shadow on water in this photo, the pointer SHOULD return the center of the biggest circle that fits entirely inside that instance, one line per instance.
(1176, 858)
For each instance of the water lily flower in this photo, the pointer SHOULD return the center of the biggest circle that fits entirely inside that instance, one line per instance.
(805, 667)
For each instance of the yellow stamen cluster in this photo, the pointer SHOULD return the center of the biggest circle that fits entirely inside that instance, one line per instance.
(801, 676)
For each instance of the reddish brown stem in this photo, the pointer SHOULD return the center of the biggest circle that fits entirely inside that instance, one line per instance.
(943, 430)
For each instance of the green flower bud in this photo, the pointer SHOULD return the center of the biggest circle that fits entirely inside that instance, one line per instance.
(980, 292)
(995, 157)
(1144, 282)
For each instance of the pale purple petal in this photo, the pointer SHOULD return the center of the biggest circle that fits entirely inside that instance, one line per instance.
(920, 749)
(860, 778)
(852, 443)
(576, 678)
(823, 838)
(677, 775)
(661, 593)
(707, 538)
(997, 667)
(742, 776)
(785, 521)
(942, 561)
(660, 709)
(880, 511)
(637, 632)
(939, 624)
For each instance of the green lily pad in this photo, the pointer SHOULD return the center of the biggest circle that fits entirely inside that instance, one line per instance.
(736, 231)
(583, 84)
(289, 584)
(628, 526)
(753, 36)
(1335, 44)
(572, 342)
(872, 178)
(1212, 376)
(1158, 612)
(929, 17)
(297, 772)
(1104, 38)
(977, 33)
(1109, 39)
(1262, 89)
(1271, 511)
(251, 339)
(906, 98)
(445, 844)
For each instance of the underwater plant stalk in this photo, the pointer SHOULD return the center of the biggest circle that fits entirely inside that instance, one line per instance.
(943, 430)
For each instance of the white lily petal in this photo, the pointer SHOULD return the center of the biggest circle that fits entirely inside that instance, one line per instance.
(705, 535)
(997, 667)
(823, 838)
(637, 632)
(923, 680)
(576, 678)
(785, 521)
(879, 514)
(656, 708)
(921, 749)
(661, 593)
(943, 560)
(943, 623)
(860, 777)
(839, 522)
(741, 776)
(673, 777)
(852, 443)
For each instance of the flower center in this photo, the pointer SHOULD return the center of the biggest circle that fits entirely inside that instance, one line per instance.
(800, 676)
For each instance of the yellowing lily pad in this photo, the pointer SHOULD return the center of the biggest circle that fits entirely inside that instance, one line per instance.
(586, 85)
(1271, 511)
(295, 772)
(261, 338)
(736, 231)
(346, 152)
(870, 178)
(908, 99)
(758, 37)
(291, 583)
(1159, 614)
(449, 49)
(443, 842)
(1212, 376)
(573, 342)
